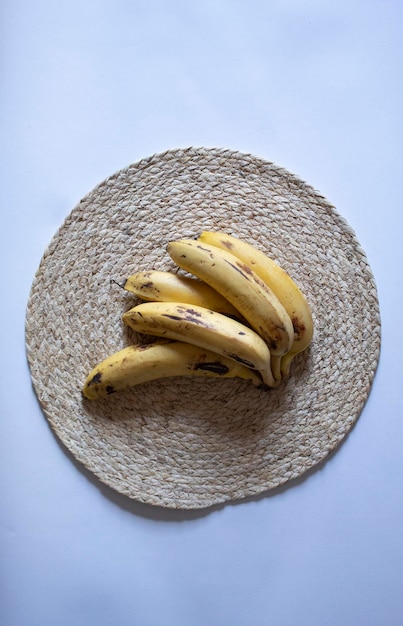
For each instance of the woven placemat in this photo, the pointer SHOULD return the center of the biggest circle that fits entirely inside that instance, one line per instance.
(191, 443)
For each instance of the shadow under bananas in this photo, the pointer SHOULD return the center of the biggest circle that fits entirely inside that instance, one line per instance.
(225, 421)
(230, 411)
(163, 514)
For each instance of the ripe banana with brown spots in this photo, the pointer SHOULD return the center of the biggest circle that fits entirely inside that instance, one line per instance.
(137, 364)
(279, 281)
(239, 284)
(205, 328)
(159, 286)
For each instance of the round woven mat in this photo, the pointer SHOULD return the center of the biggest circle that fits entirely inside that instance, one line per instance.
(191, 443)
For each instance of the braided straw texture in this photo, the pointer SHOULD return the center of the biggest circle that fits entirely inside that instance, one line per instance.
(191, 443)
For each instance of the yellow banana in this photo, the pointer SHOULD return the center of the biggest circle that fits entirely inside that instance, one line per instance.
(138, 364)
(236, 282)
(158, 286)
(205, 328)
(279, 282)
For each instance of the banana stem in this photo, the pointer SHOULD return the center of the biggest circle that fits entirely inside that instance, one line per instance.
(122, 286)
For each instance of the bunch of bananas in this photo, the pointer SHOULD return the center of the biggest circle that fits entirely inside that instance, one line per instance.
(240, 315)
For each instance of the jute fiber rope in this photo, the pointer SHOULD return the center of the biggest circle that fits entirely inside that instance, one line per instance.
(191, 443)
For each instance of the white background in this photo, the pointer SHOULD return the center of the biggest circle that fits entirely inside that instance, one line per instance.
(88, 87)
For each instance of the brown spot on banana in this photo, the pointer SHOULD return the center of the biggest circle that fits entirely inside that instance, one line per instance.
(238, 268)
(177, 318)
(227, 244)
(248, 273)
(149, 285)
(195, 317)
(97, 378)
(211, 255)
(299, 327)
(216, 367)
(189, 311)
(237, 358)
(246, 269)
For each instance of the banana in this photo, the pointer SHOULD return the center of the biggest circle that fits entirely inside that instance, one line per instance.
(239, 284)
(279, 282)
(137, 364)
(204, 328)
(161, 286)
